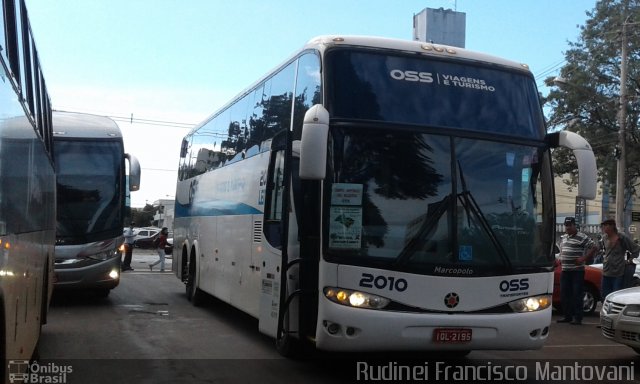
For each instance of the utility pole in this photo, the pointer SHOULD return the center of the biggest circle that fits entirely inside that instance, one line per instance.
(622, 137)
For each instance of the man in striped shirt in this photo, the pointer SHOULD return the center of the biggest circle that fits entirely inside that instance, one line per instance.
(576, 249)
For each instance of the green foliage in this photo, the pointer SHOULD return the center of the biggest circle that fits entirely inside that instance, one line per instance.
(589, 102)
(143, 217)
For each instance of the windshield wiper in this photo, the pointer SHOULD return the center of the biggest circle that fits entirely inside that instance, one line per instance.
(471, 207)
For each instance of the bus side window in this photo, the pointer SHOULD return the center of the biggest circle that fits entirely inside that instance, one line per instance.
(273, 206)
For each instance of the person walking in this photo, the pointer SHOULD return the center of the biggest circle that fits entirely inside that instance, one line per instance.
(160, 243)
(616, 247)
(128, 247)
(576, 249)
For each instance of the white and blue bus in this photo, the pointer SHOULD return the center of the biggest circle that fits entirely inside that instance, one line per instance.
(377, 194)
(92, 188)
(27, 190)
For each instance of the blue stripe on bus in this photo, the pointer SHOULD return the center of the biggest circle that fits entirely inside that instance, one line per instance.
(214, 208)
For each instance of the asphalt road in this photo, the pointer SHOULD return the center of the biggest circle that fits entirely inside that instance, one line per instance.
(147, 332)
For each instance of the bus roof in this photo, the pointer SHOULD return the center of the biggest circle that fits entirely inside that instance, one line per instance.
(323, 42)
(69, 125)
(437, 50)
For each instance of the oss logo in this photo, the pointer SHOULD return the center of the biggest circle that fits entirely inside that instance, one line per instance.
(422, 77)
(451, 300)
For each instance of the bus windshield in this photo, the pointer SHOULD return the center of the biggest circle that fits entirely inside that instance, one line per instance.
(89, 190)
(405, 199)
(414, 89)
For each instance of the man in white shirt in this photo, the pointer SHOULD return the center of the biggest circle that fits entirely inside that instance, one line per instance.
(128, 247)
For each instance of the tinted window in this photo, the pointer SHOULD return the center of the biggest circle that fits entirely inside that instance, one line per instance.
(424, 91)
(308, 90)
(244, 128)
(424, 202)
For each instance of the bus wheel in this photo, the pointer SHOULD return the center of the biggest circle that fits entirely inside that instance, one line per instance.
(3, 343)
(44, 303)
(194, 294)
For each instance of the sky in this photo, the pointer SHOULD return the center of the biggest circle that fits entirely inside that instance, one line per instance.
(159, 67)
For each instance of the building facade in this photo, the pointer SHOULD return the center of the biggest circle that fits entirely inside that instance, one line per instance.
(164, 213)
(590, 213)
(440, 26)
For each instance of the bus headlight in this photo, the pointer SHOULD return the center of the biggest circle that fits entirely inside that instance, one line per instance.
(355, 298)
(106, 255)
(531, 304)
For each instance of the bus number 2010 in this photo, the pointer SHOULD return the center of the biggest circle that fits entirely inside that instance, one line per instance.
(381, 282)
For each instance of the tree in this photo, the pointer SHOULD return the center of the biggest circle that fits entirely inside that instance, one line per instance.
(590, 101)
(143, 217)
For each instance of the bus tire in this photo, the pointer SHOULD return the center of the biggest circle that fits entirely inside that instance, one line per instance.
(44, 305)
(194, 294)
(3, 341)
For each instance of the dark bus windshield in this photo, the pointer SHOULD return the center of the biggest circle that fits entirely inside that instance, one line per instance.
(429, 92)
(90, 205)
(436, 204)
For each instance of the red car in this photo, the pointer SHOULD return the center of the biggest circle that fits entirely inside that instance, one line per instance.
(592, 285)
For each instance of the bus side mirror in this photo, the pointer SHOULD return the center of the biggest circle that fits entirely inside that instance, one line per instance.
(587, 171)
(134, 172)
(313, 144)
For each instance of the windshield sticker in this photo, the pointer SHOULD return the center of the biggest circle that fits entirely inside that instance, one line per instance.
(346, 194)
(345, 228)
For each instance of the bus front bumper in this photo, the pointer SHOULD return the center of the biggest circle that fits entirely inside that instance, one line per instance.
(342, 328)
(103, 274)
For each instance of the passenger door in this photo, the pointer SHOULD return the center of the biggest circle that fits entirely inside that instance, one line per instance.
(273, 230)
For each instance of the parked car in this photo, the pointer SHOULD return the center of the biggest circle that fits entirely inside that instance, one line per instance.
(592, 288)
(620, 317)
(143, 236)
(636, 276)
(169, 250)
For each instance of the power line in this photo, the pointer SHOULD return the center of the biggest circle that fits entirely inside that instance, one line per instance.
(164, 123)
(550, 69)
(137, 120)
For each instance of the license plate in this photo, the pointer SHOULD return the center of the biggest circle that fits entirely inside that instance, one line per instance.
(451, 335)
(606, 322)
